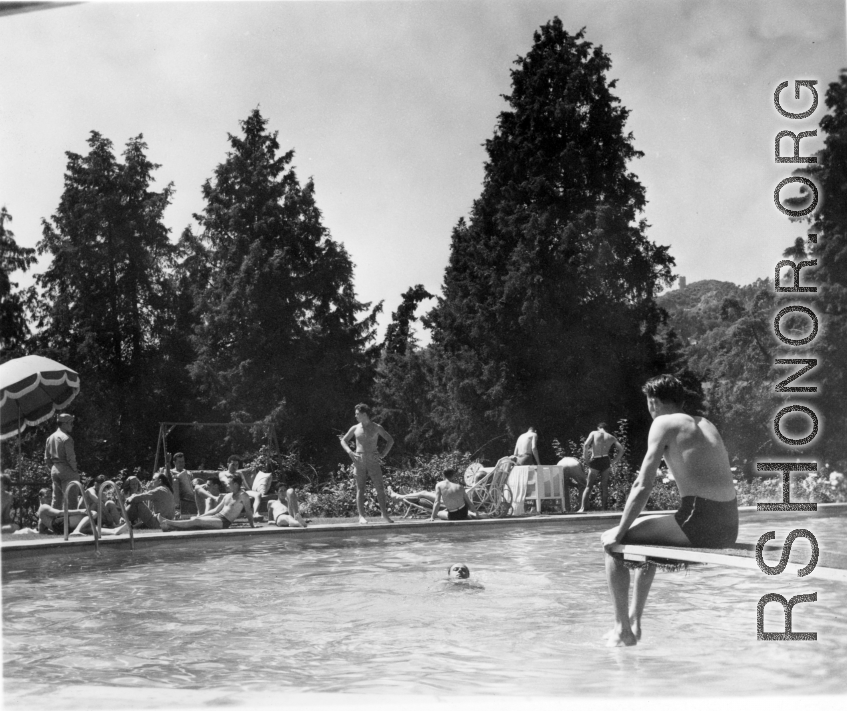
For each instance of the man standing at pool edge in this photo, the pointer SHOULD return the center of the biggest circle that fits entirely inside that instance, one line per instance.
(708, 514)
(366, 458)
(60, 457)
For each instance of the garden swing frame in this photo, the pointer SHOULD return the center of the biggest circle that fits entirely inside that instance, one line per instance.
(165, 428)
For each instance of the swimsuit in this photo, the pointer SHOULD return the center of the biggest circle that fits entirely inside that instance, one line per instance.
(224, 520)
(600, 464)
(459, 514)
(707, 523)
(525, 460)
(369, 464)
(58, 525)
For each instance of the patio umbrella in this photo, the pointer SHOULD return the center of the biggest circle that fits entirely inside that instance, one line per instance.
(32, 388)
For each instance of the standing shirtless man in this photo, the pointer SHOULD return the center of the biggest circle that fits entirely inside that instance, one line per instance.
(366, 458)
(599, 443)
(222, 516)
(708, 514)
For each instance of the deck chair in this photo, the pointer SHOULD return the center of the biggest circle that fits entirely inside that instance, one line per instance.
(490, 493)
(487, 489)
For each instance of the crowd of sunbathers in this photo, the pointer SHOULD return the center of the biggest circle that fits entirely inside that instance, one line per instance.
(213, 500)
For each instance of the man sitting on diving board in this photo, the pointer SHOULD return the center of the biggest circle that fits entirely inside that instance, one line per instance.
(708, 514)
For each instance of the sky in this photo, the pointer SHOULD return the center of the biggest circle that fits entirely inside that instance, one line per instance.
(387, 106)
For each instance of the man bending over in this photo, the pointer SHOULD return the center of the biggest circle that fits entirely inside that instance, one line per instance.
(222, 516)
(708, 514)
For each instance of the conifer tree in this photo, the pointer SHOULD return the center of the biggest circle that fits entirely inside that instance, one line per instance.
(829, 222)
(13, 257)
(548, 314)
(277, 328)
(106, 301)
(402, 384)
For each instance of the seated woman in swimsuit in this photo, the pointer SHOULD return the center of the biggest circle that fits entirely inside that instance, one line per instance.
(222, 516)
(208, 493)
(111, 511)
(285, 511)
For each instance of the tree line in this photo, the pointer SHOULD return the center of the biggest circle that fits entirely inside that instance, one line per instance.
(548, 313)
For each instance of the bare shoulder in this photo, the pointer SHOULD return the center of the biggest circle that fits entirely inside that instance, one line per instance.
(703, 422)
(672, 424)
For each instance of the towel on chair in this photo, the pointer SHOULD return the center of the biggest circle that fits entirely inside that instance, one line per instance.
(517, 484)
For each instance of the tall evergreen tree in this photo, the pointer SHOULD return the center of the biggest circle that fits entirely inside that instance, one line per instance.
(398, 336)
(402, 384)
(107, 297)
(829, 222)
(13, 257)
(277, 329)
(548, 314)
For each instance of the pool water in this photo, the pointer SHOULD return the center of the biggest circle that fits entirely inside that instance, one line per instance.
(373, 613)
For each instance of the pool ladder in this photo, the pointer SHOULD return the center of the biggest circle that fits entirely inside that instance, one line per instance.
(98, 527)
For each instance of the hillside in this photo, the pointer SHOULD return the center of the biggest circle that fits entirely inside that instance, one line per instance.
(695, 309)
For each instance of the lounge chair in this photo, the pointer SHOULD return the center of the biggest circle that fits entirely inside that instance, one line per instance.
(486, 487)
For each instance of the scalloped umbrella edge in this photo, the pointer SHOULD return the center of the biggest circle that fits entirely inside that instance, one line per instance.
(32, 389)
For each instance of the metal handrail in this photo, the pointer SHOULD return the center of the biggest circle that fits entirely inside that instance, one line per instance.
(68, 488)
(103, 487)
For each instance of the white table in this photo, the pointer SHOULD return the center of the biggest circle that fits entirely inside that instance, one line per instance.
(538, 483)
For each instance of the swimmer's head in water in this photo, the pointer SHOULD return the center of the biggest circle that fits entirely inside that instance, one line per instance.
(459, 571)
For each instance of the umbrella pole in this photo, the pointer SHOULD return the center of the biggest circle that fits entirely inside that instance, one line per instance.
(20, 473)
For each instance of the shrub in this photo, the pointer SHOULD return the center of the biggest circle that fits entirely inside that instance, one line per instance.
(337, 497)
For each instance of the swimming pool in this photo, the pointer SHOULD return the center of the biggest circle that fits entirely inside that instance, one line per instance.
(372, 613)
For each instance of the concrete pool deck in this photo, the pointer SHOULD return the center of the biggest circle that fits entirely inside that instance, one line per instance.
(51, 545)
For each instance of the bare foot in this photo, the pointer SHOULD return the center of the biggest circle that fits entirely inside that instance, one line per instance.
(121, 529)
(362, 520)
(393, 494)
(163, 523)
(618, 638)
(387, 519)
(77, 533)
(635, 625)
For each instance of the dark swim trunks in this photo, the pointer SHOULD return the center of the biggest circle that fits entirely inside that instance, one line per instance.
(458, 515)
(224, 520)
(600, 464)
(58, 525)
(707, 523)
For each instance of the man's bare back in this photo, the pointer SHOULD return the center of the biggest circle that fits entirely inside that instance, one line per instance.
(452, 494)
(695, 455)
(707, 516)
(600, 443)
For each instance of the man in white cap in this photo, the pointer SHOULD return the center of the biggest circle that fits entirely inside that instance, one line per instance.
(60, 457)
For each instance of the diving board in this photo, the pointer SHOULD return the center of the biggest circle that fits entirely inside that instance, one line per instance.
(831, 566)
